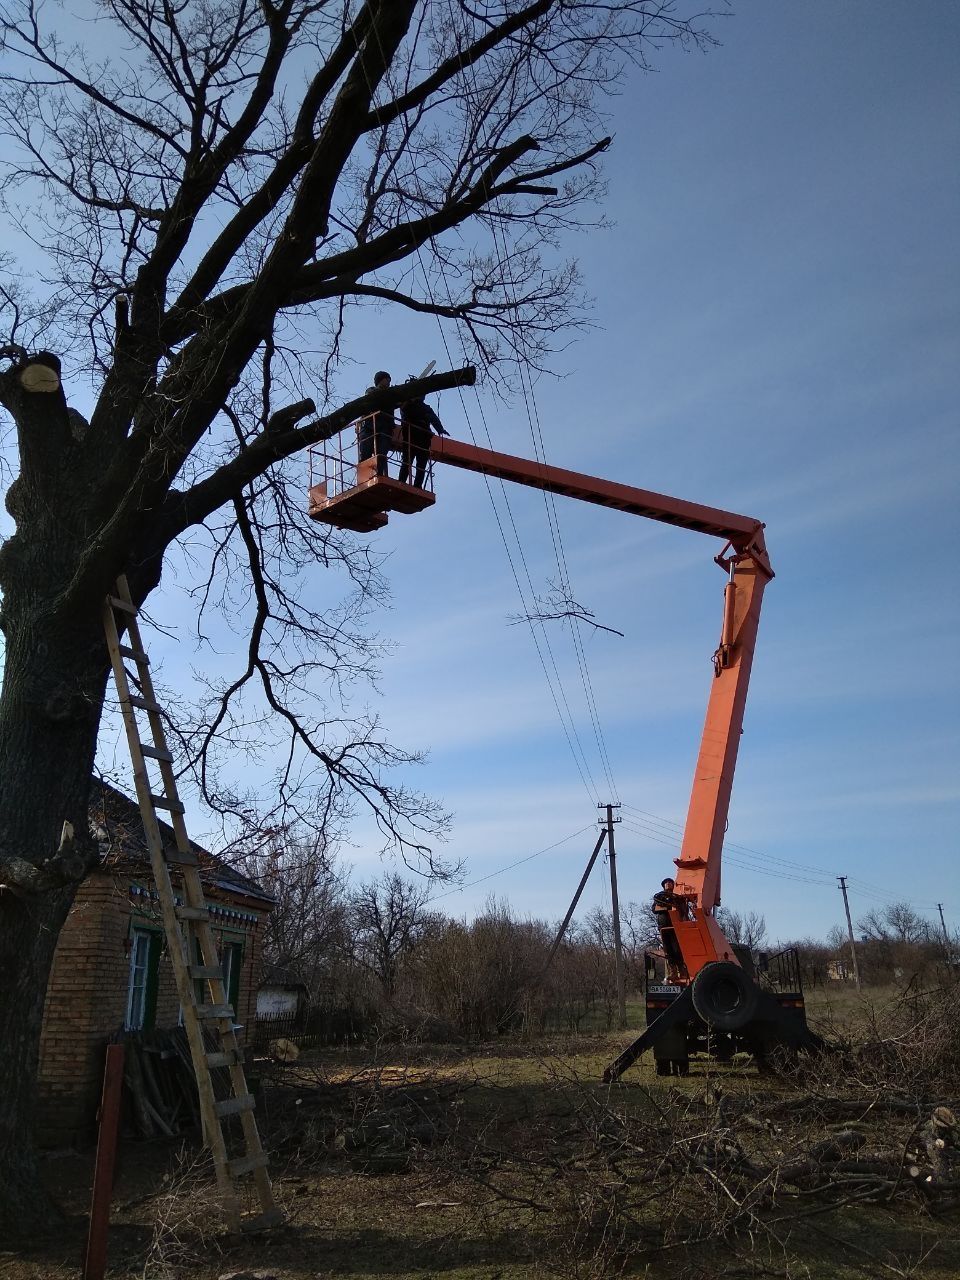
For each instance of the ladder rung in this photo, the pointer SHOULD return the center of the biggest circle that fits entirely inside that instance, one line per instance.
(228, 1058)
(212, 1012)
(193, 913)
(144, 704)
(247, 1164)
(136, 654)
(233, 1106)
(177, 858)
(155, 753)
(125, 606)
(206, 971)
(162, 802)
(272, 1218)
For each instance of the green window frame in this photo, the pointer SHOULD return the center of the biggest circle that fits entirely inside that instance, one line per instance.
(231, 962)
(143, 979)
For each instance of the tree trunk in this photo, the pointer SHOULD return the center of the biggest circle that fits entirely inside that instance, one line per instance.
(54, 677)
(50, 705)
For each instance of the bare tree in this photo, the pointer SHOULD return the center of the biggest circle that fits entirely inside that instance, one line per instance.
(895, 943)
(640, 933)
(896, 923)
(390, 917)
(748, 928)
(213, 189)
(309, 931)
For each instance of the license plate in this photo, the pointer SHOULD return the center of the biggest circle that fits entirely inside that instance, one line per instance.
(664, 991)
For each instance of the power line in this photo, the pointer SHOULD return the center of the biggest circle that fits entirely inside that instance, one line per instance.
(742, 848)
(555, 685)
(510, 866)
(730, 859)
(660, 830)
(552, 520)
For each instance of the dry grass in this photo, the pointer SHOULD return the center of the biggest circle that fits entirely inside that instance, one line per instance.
(513, 1161)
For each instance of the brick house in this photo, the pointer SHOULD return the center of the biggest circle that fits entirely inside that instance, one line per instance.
(111, 971)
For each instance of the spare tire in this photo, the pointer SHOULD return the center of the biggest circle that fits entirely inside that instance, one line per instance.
(724, 996)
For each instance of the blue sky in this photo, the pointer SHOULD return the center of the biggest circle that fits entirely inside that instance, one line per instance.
(775, 333)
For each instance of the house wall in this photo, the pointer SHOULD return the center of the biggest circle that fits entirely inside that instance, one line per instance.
(86, 998)
(272, 1002)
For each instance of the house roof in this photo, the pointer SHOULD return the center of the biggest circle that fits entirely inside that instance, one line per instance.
(116, 821)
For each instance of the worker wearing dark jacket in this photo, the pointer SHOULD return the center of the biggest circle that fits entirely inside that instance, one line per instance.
(418, 422)
(376, 431)
(663, 903)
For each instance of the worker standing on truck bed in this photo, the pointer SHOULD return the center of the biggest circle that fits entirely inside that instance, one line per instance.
(663, 902)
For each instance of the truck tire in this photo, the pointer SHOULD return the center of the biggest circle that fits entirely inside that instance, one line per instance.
(724, 996)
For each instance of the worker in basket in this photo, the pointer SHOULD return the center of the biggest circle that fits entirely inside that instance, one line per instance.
(418, 422)
(376, 430)
(663, 902)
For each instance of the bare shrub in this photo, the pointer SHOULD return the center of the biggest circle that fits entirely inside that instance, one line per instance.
(187, 1221)
(910, 1043)
(614, 1178)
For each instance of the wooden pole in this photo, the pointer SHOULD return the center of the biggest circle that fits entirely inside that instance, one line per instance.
(108, 1125)
(946, 936)
(853, 945)
(573, 905)
(615, 911)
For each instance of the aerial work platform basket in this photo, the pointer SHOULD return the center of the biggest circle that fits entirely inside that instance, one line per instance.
(349, 494)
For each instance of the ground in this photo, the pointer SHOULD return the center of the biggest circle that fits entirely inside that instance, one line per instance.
(510, 1161)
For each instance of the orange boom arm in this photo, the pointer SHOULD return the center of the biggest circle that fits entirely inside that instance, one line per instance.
(745, 559)
(355, 496)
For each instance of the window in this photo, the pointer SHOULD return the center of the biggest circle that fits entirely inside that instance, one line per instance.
(232, 962)
(231, 965)
(142, 988)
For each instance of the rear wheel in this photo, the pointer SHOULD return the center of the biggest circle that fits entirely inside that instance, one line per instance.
(724, 996)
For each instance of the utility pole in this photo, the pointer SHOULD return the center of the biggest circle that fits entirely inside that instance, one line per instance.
(853, 945)
(615, 908)
(943, 926)
(573, 905)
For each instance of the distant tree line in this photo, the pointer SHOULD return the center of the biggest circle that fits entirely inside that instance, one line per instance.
(378, 957)
(895, 944)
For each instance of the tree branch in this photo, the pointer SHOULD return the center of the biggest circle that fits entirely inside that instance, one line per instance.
(325, 278)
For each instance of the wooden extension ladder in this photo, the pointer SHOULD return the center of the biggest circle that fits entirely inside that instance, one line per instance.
(187, 926)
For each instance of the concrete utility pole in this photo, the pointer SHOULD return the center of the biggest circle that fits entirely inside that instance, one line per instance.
(853, 945)
(943, 926)
(573, 905)
(615, 908)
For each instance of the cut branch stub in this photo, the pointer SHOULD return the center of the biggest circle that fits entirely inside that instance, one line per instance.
(41, 374)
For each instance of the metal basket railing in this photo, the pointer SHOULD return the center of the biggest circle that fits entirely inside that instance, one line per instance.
(335, 466)
(781, 971)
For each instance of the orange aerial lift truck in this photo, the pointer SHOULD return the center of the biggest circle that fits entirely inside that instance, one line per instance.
(719, 1002)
